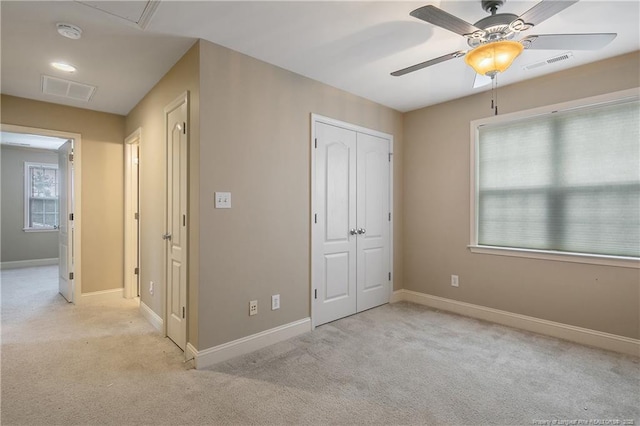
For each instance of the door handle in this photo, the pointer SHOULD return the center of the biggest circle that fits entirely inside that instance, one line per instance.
(166, 236)
(361, 230)
(353, 231)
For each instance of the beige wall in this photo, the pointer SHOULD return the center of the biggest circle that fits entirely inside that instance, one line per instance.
(16, 244)
(149, 116)
(437, 213)
(102, 181)
(255, 143)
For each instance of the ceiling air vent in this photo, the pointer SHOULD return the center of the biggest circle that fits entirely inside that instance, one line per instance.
(67, 88)
(557, 58)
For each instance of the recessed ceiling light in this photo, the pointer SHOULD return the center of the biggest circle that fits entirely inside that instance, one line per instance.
(61, 66)
(69, 30)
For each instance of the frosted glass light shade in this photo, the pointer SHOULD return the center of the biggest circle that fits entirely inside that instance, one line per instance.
(492, 58)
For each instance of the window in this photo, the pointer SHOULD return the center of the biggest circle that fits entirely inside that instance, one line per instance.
(41, 196)
(563, 181)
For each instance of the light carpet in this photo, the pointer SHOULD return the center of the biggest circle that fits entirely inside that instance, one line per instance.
(102, 363)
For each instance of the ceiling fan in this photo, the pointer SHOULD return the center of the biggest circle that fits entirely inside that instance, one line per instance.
(491, 39)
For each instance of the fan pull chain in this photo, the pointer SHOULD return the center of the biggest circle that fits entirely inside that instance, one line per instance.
(494, 93)
(495, 78)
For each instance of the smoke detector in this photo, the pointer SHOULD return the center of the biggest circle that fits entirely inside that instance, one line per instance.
(69, 30)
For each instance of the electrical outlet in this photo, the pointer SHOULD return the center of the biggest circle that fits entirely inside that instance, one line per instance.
(454, 280)
(253, 307)
(151, 288)
(275, 302)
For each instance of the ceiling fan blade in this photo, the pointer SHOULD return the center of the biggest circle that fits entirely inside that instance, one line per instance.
(592, 41)
(481, 80)
(439, 17)
(544, 10)
(428, 63)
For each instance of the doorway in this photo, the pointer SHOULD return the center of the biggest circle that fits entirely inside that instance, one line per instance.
(68, 196)
(352, 219)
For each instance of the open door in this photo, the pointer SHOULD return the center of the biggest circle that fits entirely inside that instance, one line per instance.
(131, 216)
(176, 118)
(65, 234)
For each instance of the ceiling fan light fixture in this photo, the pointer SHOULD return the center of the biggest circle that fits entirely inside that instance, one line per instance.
(492, 58)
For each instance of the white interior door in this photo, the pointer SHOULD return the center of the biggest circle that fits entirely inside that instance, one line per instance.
(131, 222)
(65, 209)
(373, 282)
(334, 265)
(176, 208)
(351, 230)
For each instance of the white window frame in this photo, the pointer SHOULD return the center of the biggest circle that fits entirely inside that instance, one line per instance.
(474, 247)
(28, 165)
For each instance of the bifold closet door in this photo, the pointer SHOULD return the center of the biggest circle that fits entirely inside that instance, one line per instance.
(352, 223)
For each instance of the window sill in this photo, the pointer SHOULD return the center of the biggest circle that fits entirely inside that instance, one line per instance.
(40, 230)
(592, 259)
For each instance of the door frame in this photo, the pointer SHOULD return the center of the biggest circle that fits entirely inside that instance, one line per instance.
(316, 118)
(75, 173)
(131, 206)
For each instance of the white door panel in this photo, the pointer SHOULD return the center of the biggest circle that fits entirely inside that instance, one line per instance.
(334, 268)
(337, 275)
(65, 231)
(176, 274)
(373, 219)
(350, 265)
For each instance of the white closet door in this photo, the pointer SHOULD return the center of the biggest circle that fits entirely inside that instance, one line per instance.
(373, 222)
(351, 229)
(334, 263)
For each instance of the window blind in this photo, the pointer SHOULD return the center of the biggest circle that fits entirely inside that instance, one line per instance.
(567, 181)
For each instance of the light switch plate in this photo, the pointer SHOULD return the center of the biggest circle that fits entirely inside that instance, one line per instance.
(223, 200)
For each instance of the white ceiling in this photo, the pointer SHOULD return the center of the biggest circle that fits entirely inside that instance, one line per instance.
(24, 140)
(346, 44)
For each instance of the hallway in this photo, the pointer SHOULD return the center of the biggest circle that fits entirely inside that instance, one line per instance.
(64, 363)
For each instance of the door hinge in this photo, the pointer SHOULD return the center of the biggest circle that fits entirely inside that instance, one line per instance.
(71, 158)
(315, 293)
(389, 276)
(390, 154)
(184, 220)
(184, 128)
(70, 275)
(183, 312)
(136, 215)
(136, 271)
(316, 142)
(315, 218)
(389, 216)
(70, 216)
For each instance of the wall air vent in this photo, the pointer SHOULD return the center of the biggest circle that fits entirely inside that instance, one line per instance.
(557, 58)
(67, 88)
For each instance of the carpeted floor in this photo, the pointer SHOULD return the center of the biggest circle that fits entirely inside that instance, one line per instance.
(102, 363)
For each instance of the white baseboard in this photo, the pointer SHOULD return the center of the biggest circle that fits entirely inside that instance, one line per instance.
(572, 333)
(96, 296)
(101, 296)
(245, 345)
(28, 263)
(152, 317)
